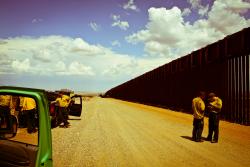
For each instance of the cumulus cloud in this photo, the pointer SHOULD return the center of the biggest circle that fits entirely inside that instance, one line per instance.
(21, 66)
(43, 55)
(49, 55)
(5, 64)
(133, 67)
(237, 6)
(196, 4)
(203, 10)
(79, 45)
(74, 68)
(60, 67)
(225, 17)
(130, 5)
(94, 26)
(124, 25)
(64, 56)
(167, 34)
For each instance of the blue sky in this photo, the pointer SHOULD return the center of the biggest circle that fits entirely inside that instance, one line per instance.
(96, 45)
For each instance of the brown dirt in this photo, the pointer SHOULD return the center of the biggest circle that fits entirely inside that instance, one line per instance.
(114, 133)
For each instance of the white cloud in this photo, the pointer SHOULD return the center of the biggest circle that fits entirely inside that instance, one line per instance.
(21, 66)
(225, 17)
(81, 46)
(115, 17)
(196, 4)
(167, 34)
(76, 68)
(49, 55)
(43, 55)
(37, 20)
(129, 66)
(130, 5)
(124, 25)
(158, 38)
(203, 10)
(116, 43)
(186, 12)
(94, 26)
(237, 6)
(65, 57)
(60, 67)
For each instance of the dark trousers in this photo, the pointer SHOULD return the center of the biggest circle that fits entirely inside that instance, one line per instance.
(22, 122)
(30, 120)
(64, 115)
(4, 115)
(198, 125)
(213, 126)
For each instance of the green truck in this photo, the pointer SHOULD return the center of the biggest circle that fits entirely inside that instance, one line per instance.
(19, 147)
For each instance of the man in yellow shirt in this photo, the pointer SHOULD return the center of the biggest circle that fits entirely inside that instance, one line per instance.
(214, 109)
(198, 107)
(5, 102)
(63, 102)
(29, 110)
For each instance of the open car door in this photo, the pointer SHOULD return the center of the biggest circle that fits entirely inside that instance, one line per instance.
(25, 132)
(75, 108)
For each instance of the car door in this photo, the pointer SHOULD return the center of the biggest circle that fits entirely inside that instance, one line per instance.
(19, 146)
(75, 108)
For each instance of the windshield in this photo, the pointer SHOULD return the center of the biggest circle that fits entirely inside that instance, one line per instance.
(18, 119)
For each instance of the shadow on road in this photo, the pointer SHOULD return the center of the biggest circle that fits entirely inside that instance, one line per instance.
(190, 138)
(187, 137)
(75, 119)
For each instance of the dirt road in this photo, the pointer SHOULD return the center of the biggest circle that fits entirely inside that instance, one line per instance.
(112, 133)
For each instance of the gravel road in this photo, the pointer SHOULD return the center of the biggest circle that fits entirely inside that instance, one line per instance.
(113, 133)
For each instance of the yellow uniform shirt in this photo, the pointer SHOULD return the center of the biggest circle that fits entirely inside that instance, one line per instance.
(198, 107)
(29, 103)
(63, 101)
(216, 104)
(21, 101)
(5, 100)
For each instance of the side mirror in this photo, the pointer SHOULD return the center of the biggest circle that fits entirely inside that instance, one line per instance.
(8, 127)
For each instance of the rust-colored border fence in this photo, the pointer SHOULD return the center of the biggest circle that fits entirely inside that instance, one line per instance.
(221, 67)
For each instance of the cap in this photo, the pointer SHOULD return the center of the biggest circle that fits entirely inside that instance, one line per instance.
(210, 95)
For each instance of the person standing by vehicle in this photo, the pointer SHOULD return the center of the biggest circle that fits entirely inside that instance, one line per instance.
(63, 102)
(29, 111)
(214, 109)
(198, 107)
(5, 102)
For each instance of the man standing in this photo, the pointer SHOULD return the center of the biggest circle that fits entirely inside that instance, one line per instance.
(214, 109)
(5, 102)
(63, 102)
(29, 110)
(198, 107)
